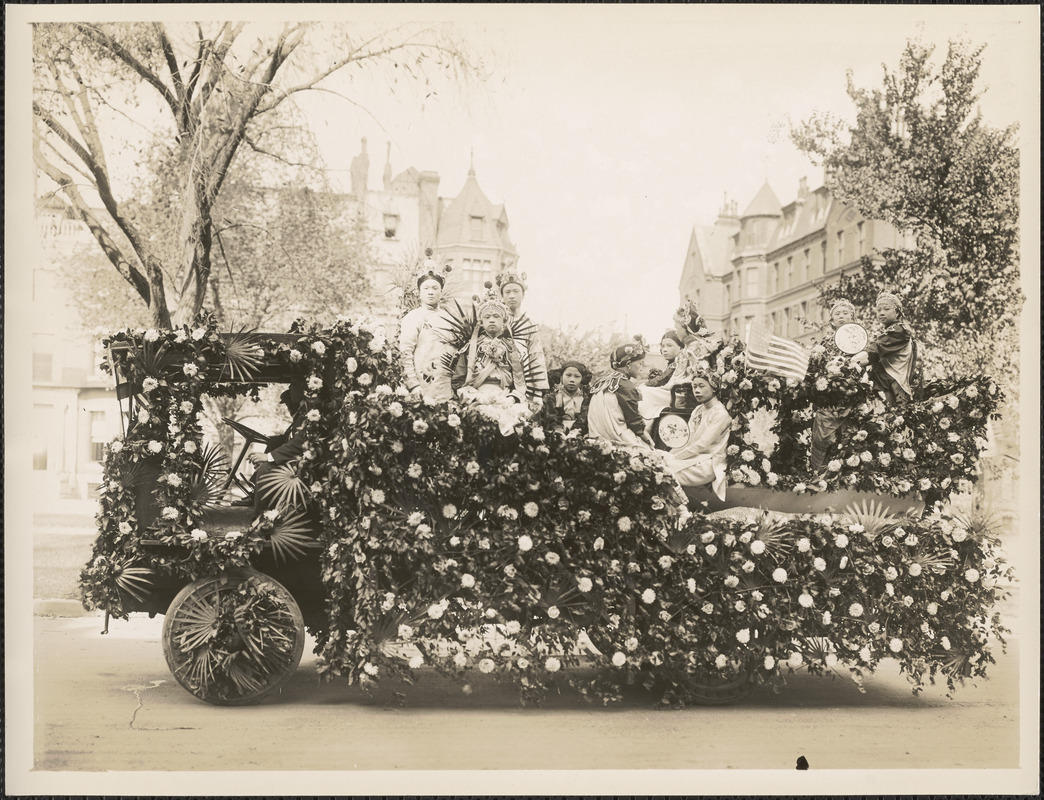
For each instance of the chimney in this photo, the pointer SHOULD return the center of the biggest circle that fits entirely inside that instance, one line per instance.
(360, 171)
(802, 194)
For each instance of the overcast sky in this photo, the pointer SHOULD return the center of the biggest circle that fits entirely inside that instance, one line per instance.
(609, 132)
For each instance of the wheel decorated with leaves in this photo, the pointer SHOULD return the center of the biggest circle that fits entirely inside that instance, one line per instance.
(233, 639)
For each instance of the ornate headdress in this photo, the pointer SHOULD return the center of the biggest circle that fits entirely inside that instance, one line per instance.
(491, 302)
(431, 268)
(888, 297)
(626, 354)
(674, 337)
(705, 372)
(842, 303)
(509, 276)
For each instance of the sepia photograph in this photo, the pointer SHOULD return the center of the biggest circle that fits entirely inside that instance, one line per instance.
(521, 399)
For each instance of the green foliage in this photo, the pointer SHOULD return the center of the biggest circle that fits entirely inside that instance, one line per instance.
(589, 347)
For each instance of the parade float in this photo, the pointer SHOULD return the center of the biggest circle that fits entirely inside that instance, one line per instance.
(414, 536)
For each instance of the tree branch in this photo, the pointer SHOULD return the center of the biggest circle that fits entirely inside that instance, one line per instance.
(128, 58)
(127, 269)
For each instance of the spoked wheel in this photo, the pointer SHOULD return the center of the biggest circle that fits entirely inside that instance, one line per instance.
(234, 638)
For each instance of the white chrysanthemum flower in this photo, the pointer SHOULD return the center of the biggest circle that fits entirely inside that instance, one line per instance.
(731, 581)
(460, 660)
(599, 543)
(855, 610)
(711, 550)
(552, 664)
(552, 558)
(895, 645)
(435, 611)
(624, 524)
(796, 660)
(770, 663)
(690, 584)
(619, 659)
(803, 545)
(841, 540)
(405, 631)
(525, 543)
(169, 512)
(971, 575)
(449, 511)
(743, 635)
(531, 509)
(513, 627)
(648, 596)
(721, 662)
(914, 569)
(805, 600)
(154, 447)
(416, 662)
(584, 584)
(757, 547)
(377, 496)
(932, 608)
(707, 608)
(945, 642)
(779, 575)
(486, 666)
(467, 580)
(190, 369)
(747, 566)
(827, 618)
(198, 535)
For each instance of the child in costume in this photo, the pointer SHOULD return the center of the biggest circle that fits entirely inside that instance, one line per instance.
(488, 374)
(828, 420)
(565, 407)
(892, 356)
(420, 347)
(613, 413)
(701, 460)
(656, 392)
(512, 288)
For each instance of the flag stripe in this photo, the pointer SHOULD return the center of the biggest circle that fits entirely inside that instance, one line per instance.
(775, 354)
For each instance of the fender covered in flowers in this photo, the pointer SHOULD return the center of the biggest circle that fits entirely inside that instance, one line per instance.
(443, 543)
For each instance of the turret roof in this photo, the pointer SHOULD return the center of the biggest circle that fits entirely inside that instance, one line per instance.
(764, 204)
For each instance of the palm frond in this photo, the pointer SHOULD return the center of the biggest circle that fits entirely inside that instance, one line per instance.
(873, 516)
(523, 328)
(140, 472)
(292, 538)
(533, 370)
(206, 484)
(133, 579)
(282, 489)
(980, 521)
(243, 358)
(155, 359)
(455, 322)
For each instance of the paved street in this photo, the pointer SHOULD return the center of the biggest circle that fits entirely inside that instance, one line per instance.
(108, 702)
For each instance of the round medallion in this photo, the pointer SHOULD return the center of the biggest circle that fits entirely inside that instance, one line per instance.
(672, 430)
(851, 338)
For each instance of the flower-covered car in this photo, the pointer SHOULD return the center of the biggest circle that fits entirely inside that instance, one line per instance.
(414, 536)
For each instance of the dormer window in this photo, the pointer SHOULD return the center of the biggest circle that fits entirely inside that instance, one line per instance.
(391, 226)
(476, 229)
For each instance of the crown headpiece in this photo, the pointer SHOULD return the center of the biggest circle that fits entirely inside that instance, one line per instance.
(490, 301)
(888, 297)
(627, 353)
(510, 276)
(842, 303)
(432, 268)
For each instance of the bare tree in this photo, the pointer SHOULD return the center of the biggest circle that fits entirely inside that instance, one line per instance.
(207, 91)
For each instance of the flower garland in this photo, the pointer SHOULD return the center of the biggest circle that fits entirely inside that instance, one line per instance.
(444, 544)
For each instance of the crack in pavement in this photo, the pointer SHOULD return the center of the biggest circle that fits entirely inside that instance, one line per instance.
(141, 702)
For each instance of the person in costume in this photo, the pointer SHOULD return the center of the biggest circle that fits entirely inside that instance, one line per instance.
(670, 346)
(656, 392)
(892, 356)
(613, 413)
(282, 448)
(701, 460)
(828, 420)
(512, 288)
(565, 406)
(420, 347)
(488, 374)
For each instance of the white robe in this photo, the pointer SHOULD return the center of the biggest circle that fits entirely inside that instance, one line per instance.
(701, 460)
(422, 352)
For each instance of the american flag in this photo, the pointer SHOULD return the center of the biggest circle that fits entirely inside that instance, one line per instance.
(775, 354)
